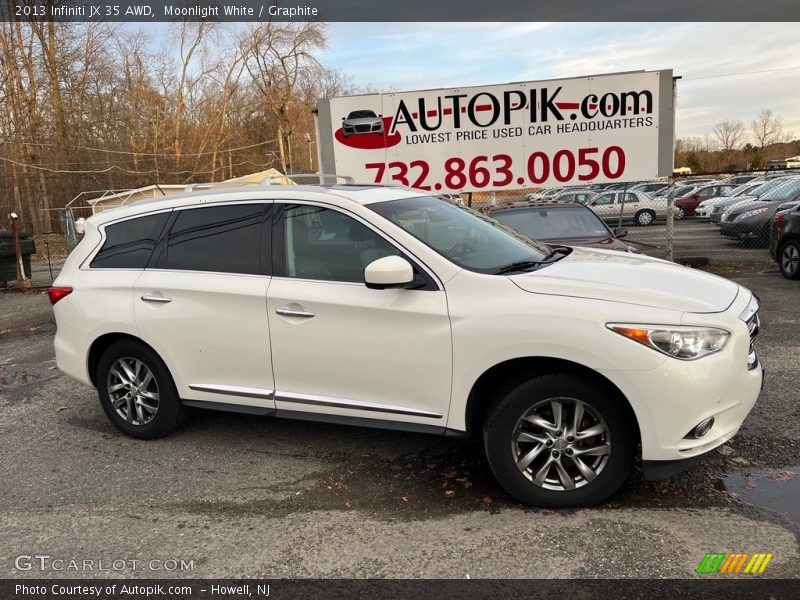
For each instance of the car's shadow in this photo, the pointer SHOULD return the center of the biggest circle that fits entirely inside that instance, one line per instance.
(401, 475)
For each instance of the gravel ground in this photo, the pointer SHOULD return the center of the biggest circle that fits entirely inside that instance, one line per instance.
(243, 496)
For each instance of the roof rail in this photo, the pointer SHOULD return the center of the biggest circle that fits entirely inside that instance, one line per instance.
(273, 179)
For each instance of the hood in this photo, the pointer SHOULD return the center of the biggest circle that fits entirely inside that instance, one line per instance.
(630, 279)
(731, 200)
(746, 205)
(363, 121)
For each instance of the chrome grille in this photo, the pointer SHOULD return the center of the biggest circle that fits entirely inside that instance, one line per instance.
(753, 321)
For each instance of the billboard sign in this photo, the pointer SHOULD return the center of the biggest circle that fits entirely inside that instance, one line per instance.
(604, 128)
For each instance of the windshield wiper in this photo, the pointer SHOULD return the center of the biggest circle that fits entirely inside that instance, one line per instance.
(523, 265)
(519, 266)
(558, 249)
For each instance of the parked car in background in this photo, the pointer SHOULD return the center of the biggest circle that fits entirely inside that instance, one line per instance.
(704, 209)
(580, 196)
(687, 204)
(568, 223)
(724, 203)
(740, 179)
(680, 190)
(650, 187)
(638, 207)
(784, 240)
(751, 220)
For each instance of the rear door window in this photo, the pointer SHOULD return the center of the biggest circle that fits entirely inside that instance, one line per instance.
(130, 243)
(225, 239)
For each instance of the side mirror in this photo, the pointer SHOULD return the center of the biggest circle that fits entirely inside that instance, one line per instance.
(388, 272)
(620, 232)
(343, 118)
(381, 116)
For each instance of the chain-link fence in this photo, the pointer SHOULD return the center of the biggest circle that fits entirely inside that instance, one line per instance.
(719, 221)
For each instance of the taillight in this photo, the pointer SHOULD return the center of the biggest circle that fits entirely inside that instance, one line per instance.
(779, 216)
(57, 293)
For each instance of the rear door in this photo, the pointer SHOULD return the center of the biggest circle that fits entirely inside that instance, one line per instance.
(340, 348)
(604, 205)
(202, 303)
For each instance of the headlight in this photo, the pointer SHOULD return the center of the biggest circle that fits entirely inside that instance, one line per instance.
(686, 343)
(751, 213)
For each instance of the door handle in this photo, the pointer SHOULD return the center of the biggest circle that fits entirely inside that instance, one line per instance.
(295, 312)
(156, 297)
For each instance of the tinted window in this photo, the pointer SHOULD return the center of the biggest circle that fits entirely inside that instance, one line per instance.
(554, 223)
(226, 239)
(130, 243)
(630, 198)
(320, 243)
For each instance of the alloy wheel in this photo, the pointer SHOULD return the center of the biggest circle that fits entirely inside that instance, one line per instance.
(561, 444)
(790, 260)
(133, 391)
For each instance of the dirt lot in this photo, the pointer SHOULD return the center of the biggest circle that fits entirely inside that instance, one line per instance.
(257, 497)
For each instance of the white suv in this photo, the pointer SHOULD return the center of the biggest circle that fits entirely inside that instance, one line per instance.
(388, 308)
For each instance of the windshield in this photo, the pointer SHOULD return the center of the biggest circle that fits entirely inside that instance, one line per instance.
(461, 235)
(361, 114)
(785, 190)
(765, 187)
(741, 190)
(548, 223)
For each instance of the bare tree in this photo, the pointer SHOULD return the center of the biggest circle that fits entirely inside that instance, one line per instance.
(729, 134)
(767, 128)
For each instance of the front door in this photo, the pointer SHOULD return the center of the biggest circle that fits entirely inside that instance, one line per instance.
(340, 348)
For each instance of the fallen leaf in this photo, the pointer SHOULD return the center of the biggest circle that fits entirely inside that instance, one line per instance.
(782, 476)
(449, 493)
(405, 498)
(450, 472)
(486, 500)
(751, 483)
(60, 408)
(347, 504)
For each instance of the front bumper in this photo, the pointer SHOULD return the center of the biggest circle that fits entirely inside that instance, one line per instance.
(670, 400)
(743, 229)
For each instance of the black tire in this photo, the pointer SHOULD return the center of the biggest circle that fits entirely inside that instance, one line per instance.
(170, 411)
(789, 268)
(645, 217)
(680, 214)
(502, 423)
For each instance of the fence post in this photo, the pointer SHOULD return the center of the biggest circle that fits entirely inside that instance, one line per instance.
(22, 278)
(671, 220)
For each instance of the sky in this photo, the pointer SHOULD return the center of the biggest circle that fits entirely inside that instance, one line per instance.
(729, 70)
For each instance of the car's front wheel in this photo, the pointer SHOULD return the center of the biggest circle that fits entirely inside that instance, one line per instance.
(680, 213)
(560, 440)
(789, 259)
(137, 392)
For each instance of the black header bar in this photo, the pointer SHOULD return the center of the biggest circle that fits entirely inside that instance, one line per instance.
(149, 11)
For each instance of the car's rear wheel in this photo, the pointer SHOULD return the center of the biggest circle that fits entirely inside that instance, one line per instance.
(137, 392)
(644, 217)
(680, 213)
(789, 259)
(560, 440)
